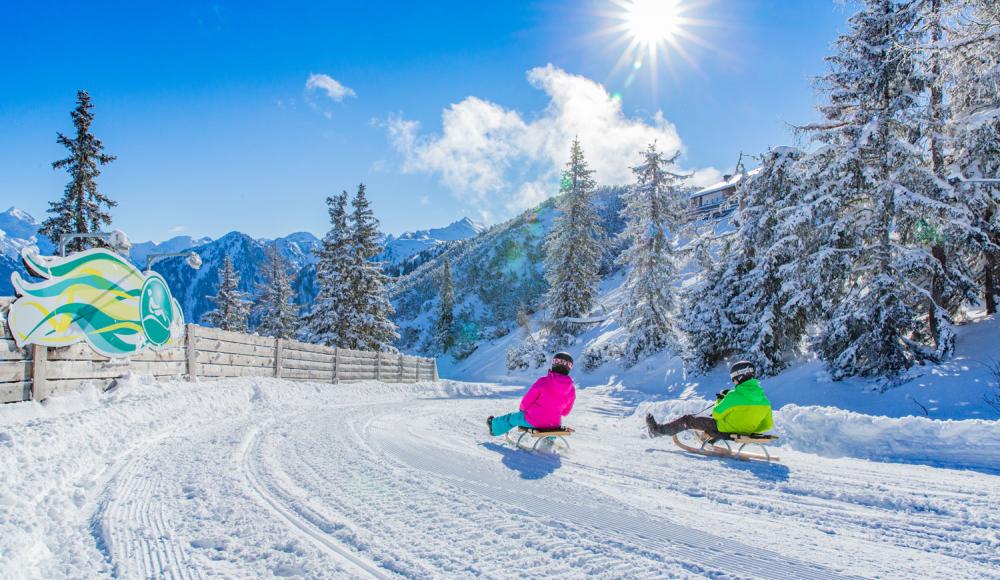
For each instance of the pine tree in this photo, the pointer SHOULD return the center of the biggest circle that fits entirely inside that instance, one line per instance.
(368, 324)
(275, 301)
(326, 320)
(573, 249)
(232, 309)
(653, 211)
(82, 209)
(755, 303)
(874, 187)
(444, 324)
(974, 131)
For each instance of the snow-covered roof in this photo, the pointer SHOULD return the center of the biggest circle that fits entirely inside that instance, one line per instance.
(733, 181)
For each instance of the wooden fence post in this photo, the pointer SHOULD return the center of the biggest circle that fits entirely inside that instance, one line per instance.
(435, 361)
(336, 365)
(192, 351)
(400, 359)
(378, 365)
(39, 358)
(278, 346)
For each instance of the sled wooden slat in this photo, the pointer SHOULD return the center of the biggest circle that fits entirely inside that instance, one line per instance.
(565, 432)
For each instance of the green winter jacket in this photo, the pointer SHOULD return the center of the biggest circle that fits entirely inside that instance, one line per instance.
(744, 409)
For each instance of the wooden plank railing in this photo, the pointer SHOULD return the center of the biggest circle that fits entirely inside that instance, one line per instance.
(36, 373)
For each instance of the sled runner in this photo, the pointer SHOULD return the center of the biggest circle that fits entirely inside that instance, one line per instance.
(724, 446)
(539, 435)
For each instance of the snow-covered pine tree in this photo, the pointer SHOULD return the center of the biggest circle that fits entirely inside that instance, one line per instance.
(279, 316)
(873, 187)
(232, 309)
(936, 219)
(444, 323)
(367, 323)
(754, 303)
(974, 132)
(82, 209)
(573, 248)
(326, 319)
(654, 212)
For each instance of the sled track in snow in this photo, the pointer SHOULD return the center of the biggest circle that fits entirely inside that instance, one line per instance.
(299, 518)
(714, 555)
(130, 526)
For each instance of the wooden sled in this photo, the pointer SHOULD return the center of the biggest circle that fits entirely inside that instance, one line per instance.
(539, 435)
(723, 447)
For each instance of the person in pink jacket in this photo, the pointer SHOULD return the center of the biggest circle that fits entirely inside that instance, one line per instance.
(545, 404)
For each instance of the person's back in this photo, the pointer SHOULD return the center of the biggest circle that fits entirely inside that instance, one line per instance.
(745, 409)
(545, 404)
(549, 400)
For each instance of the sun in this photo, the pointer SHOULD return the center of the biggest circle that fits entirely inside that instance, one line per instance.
(652, 22)
(651, 30)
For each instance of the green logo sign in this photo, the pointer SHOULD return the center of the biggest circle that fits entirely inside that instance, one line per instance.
(94, 296)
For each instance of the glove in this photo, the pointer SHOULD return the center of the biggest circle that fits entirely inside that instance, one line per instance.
(721, 395)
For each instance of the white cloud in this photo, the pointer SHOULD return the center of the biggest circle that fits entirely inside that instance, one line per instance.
(330, 86)
(494, 159)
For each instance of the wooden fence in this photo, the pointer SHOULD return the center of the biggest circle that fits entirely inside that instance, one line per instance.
(38, 372)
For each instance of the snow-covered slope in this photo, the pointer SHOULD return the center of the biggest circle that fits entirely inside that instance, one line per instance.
(497, 273)
(954, 389)
(253, 478)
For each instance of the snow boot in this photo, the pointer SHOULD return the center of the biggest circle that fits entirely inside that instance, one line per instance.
(489, 423)
(651, 426)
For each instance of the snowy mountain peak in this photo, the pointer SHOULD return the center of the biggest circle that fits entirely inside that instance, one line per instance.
(399, 249)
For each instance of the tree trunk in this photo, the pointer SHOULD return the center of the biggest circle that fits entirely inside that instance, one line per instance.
(937, 166)
(991, 270)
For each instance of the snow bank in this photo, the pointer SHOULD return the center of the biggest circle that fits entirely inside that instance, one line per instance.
(833, 432)
(970, 443)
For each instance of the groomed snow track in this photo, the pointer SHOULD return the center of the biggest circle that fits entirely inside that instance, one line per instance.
(263, 478)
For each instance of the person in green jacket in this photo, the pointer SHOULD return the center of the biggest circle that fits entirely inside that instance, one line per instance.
(743, 409)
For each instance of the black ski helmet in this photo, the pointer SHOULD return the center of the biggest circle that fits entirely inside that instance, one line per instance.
(742, 371)
(562, 363)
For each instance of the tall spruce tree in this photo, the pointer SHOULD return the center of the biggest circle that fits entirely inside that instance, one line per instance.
(873, 187)
(654, 211)
(326, 320)
(368, 323)
(82, 209)
(973, 128)
(573, 249)
(444, 324)
(755, 302)
(275, 305)
(232, 309)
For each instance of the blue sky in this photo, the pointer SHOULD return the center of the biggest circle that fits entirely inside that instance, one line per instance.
(448, 108)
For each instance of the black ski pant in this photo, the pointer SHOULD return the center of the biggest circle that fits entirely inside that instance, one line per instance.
(706, 424)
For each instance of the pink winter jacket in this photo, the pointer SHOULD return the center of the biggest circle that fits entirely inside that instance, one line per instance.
(549, 400)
